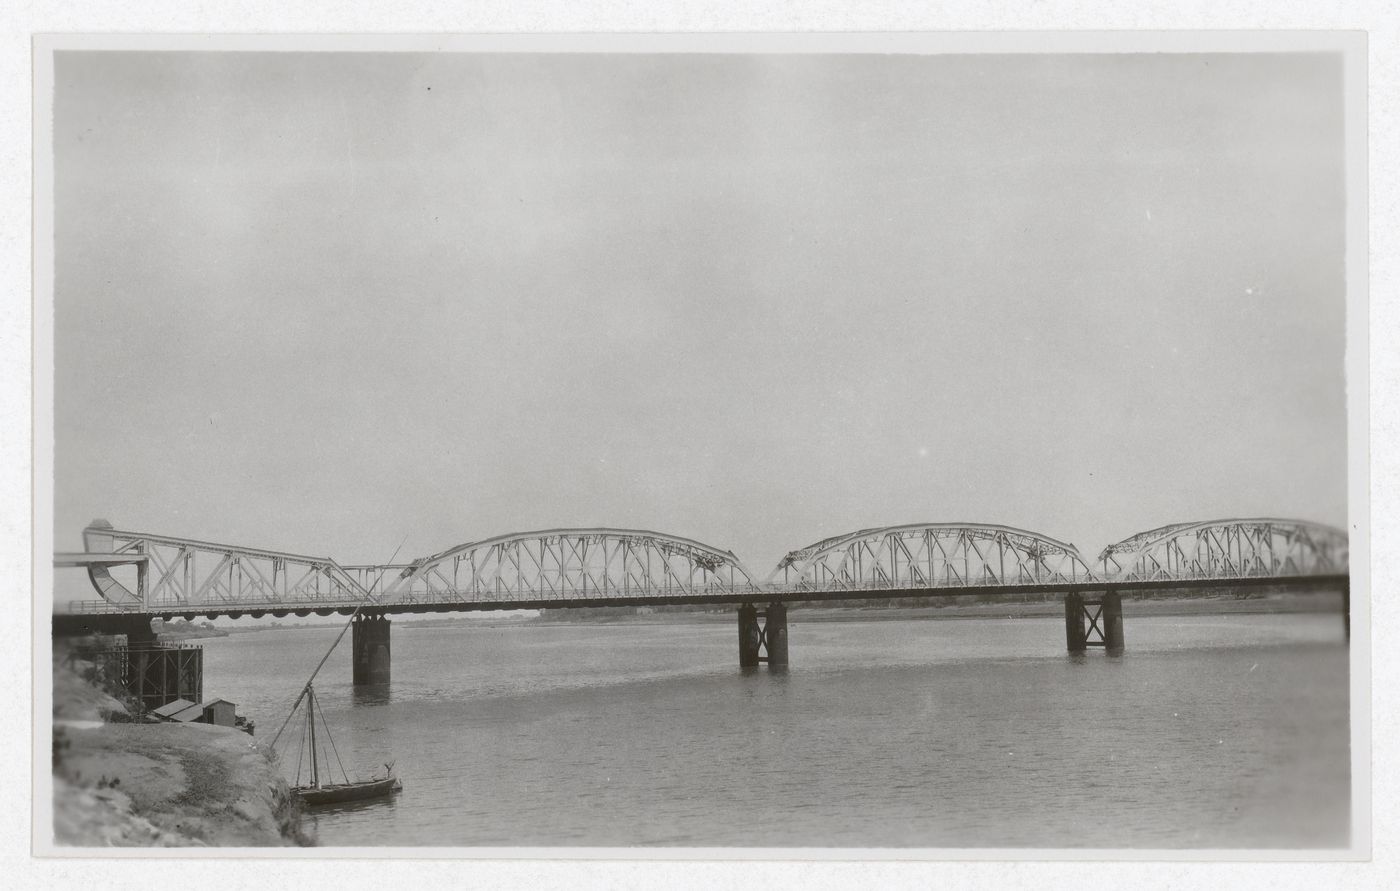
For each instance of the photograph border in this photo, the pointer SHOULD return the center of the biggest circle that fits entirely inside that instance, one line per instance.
(1353, 47)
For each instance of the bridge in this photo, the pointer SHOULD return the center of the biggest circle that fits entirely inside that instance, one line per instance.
(581, 568)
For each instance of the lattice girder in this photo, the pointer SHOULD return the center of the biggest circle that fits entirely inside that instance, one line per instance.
(571, 565)
(1225, 549)
(186, 575)
(932, 555)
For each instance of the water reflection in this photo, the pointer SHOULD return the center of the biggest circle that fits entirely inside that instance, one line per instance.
(647, 734)
(312, 813)
(371, 694)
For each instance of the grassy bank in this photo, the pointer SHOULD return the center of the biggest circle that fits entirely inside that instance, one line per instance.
(120, 783)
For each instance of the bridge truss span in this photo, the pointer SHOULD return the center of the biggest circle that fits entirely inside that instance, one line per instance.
(190, 577)
(142, 573)
(932, 555)
(571, 566)
(1228, 549)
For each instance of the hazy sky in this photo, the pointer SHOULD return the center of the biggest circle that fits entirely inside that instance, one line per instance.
(321, 302)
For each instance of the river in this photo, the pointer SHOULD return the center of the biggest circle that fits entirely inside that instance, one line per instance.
(1226, 731)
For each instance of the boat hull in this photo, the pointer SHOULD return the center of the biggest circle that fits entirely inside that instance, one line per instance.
(341, 792)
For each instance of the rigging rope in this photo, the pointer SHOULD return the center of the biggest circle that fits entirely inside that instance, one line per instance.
(339, 636)
(301, 754)
(331, 738)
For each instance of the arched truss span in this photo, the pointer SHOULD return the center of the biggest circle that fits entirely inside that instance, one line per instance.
(1223, 549)
(931, 555)
(571, 565)
(185, 575)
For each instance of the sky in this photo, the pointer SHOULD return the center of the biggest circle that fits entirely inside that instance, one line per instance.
(331, 303)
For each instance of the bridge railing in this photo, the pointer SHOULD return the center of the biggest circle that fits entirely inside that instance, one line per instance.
(836, 586)
(1136, 574)
(92, 607)
(459, 600)
(546, 595)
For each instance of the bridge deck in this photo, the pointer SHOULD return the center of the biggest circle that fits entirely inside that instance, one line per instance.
(756, 594)
(605, 566)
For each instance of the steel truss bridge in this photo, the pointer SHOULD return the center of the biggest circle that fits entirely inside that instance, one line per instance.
(170, 576)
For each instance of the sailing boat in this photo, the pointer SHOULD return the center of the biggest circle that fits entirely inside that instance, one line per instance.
(319, 792)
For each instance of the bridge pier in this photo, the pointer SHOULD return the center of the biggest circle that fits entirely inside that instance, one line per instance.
(1094, 623)
(370, 649)
(1074, 623)
(763, 643)
(749, 636)
(1111, 612)
(775, 635)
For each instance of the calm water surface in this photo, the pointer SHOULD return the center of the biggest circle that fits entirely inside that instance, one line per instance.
(1218, 731)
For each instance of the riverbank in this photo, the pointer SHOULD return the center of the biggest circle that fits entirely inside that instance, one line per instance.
(121, 783)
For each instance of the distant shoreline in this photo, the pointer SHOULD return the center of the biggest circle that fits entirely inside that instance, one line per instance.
(1280, 604)
(1186, 606)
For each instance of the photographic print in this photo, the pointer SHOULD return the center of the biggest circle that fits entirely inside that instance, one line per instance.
(594, 445)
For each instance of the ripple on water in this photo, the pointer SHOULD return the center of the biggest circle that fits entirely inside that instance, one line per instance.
(1207, 732)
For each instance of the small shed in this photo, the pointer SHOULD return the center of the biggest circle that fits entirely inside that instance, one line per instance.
(219, 711)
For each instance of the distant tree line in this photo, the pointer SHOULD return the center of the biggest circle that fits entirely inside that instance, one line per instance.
(179, 628)
(1239, 592)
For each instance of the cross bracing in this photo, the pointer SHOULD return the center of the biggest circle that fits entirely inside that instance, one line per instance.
(164, 575)
(182, 574)
(571, 564)
(1226, 549)
(932, 555)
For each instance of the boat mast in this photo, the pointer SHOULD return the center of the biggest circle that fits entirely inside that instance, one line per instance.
(311, 719)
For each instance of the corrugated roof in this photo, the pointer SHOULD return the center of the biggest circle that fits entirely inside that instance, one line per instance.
(172, 708)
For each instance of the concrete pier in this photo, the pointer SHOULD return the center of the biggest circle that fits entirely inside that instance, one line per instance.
(1094, 623)
(370, 650)
(1075, 634)
(1111, 617)
(766, 642)
(775, 637)
(750, 636)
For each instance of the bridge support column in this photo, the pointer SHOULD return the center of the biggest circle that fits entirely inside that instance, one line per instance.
(370, 650)
(1094, 623)
(750, 635)
(1111, 613)
(1075, 638)
(763, 643)
(775, 638)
